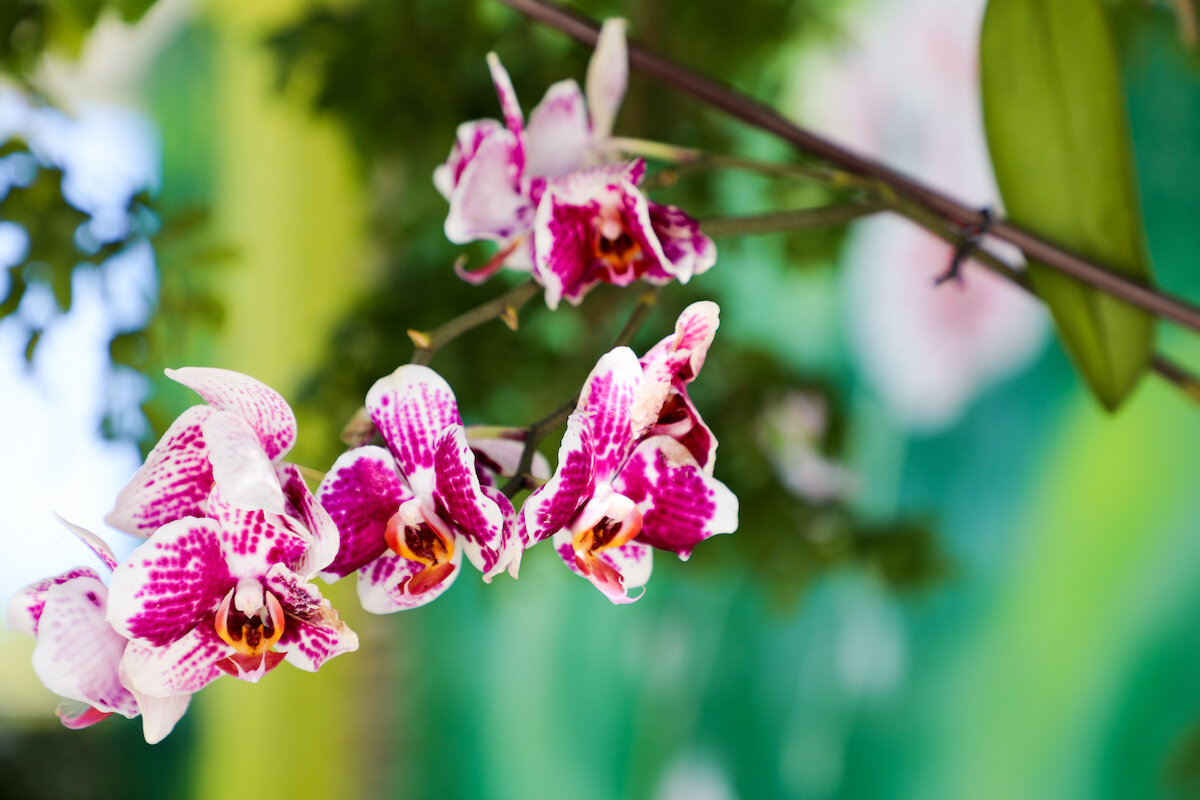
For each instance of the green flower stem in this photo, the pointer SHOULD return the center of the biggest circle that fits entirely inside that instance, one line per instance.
(793, 220)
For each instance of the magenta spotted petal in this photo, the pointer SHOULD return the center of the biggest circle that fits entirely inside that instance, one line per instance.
(26, 606)
(470, 136)
(628, 568)
(607, 402)
(681, 505)
(184, 666)
(309, 519)
(77, 653)
(472, 515)
(383, 585)
(263, 409)
(410, 408)
(173, 483)
(550, 508)
(313, 631)
(490, 202)
(361, 492)
(685, 248)
(169, 583)
(253, 541)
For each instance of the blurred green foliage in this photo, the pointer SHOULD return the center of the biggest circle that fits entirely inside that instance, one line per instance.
(28, 28)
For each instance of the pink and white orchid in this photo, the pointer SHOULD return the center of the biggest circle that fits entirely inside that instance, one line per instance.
(235, 535)
(544, 194)
(228, 593)
(624, 485)
(78, 654)
(408, 513)
(237, 441)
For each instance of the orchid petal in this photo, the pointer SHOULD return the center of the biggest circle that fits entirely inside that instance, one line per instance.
(688, 251)
(361, 492)
(411, 407)
(77, 652)
(173, 483)
(607, 399)
(263, 408)
(253, 540)
(169, 583)
(240, 466)
(159, 714)
(93, 542)
(550, 508)
(184, 666)
(563, 248)
(681, 505)
(382, 583)
(468, 138)
(309, 519)
(488, 202)
(607, 77)
(509, 106)
(314, 631)
(26, 606)
(623, 568)
(475, 518)
(682, 353)
(680, 420)
(558, 137)
(77, 716)
(496, 561)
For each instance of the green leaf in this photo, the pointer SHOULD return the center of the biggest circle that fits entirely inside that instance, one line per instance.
(1059, 141)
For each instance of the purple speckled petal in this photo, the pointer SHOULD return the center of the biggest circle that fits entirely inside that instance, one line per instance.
(563, 249)
(681, 421)
(682, 353)
(173, 483)
(633, 562)
(169, 583)
(263, 408)
(607, 399)
(253, 541)
(474, 517)
(361, 492)
(521, 541)
(93, 542)
(77, 652)
(489, 201)
(558, 137)
(309, 519)
(313, 631)
(495, 561)
(636, 216)
(26, 606)
(509, 107)
(681, 505)
(240, 466)
(411, 407)
(382, 584)
(185, 666)
(496, 460)
(550, 508)
(688, 251)
(607, 76)
(469, 137)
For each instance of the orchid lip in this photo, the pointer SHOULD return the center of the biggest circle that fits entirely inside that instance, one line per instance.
(412, 535)
(251, 632)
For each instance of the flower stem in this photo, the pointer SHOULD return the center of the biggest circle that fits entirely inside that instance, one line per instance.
(793, 220)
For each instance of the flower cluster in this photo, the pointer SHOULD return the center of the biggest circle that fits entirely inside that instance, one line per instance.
(233, 536)
(544, 192)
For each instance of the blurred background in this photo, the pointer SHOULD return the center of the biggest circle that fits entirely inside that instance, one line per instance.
(954, 576)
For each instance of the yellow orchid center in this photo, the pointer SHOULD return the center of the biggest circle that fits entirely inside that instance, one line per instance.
(590, 542)
(612, 244)
(250, 631)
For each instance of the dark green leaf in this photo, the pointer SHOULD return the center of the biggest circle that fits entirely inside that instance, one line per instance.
(1059, 141)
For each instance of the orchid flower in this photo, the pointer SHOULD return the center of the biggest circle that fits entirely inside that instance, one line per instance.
(495, 171)
(227, 593)
(237, 441)
(78, 654)
(408, 513)
(622, 487)
(542, 192)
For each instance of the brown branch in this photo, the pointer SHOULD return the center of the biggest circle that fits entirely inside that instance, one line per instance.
(767, 119)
